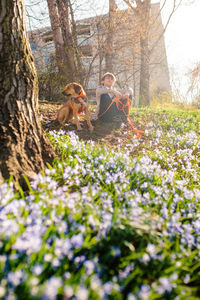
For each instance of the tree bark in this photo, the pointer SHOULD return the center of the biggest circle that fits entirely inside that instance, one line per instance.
(63, 9)
(144, 95)
(80, 70)
(61, 58)
(143, 12)
(24, 148)
(109, 39)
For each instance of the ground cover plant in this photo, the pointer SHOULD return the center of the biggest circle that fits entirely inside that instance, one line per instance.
(114, 217)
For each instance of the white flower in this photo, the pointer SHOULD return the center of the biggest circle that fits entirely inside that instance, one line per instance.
(77, 241)
(165, 286)
(144, 292)
(89, 265)
(2, 291)
(68, 290)
(48, 257)
(186, 279)
(108, 286)
(37, 269)
(131, 297)
(145, 258)
(95, 282)
(15, 277)
(151, 249)
(82, 293)
(115, 251)
(52, 287)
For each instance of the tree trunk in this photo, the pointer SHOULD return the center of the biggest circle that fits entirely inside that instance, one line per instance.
(143, 12)
(144, 96)
(109, 39)
(61, 58)
(63, 9)
(80, 70)
(24, 147)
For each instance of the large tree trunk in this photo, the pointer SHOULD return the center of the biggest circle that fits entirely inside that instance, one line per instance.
(24, 147)
(143, 10)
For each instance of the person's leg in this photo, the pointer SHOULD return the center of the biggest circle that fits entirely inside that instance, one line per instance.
(122, 111)
(125, 110)
(104, 114)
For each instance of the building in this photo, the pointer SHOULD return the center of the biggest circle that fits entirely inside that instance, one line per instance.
(92, 39)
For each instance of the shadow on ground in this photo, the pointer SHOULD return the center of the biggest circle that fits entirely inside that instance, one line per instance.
(110, 133)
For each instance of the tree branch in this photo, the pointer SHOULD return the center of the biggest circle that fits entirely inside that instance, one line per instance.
(175, 7)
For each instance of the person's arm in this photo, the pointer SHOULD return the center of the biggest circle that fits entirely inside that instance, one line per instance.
(116, 93)
(100, 91)
(104, 90)
(127, 92)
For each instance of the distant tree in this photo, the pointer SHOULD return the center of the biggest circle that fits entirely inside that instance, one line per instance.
(194, 88)
(143, 14)
(25, 149)
(141, 9)
(63, 26)
(109, 37)
(61, 58)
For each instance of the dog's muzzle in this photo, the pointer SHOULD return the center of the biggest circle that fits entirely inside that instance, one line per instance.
(66, 94)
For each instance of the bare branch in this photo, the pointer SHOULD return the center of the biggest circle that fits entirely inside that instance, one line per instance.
(129, 4)
(175, 7)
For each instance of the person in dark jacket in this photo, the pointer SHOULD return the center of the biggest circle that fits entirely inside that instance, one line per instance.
(105, 94)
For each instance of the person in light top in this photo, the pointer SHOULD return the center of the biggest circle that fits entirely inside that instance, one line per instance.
(105, 93)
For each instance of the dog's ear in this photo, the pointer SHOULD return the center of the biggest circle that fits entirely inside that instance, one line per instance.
(77, 88)
(66, 91)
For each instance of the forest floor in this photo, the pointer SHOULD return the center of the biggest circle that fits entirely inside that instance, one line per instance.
(110, 134)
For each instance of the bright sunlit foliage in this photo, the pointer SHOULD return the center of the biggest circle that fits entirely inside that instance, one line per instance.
(109, 224)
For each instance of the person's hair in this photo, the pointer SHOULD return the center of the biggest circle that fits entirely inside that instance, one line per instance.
(109, 75)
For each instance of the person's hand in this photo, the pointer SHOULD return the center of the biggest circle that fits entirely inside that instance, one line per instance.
(124, 96)
(116, 93)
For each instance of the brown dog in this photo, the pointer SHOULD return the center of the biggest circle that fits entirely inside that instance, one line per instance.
(75, 106)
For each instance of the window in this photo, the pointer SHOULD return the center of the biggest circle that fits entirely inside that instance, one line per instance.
(83, 41)
(47, 59)
(50, 47)
(92, 84)
(86, 50)
(33, 46)
(83, 29)
(48, 39)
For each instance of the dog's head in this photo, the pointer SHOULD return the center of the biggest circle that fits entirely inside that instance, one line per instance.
(74, 90)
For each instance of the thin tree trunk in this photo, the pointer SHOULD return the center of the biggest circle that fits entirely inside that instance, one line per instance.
(57, 37)
(80, 70)
(24, 148)
(109, 44)
(144, 96)
(143, 10)
(63, 9)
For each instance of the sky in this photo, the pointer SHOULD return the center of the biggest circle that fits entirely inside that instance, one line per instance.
(182, 40)
(182, 37)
